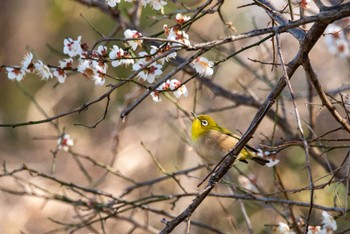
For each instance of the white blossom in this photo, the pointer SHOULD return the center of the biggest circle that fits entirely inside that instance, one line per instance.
(119, 57)
(64, 142)
(133, 34)
(149, 73)
(72, 47)
(43, 70)
(203, 66)
(15, 73)
(112, 3)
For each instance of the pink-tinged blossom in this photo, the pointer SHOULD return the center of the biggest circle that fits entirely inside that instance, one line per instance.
(95, 70)
(156, 96)
(101, 51)
(60, 74)
(341, 48)
(15, 73)
(170, 85)
(179, 89)
(119, 57)
(72, 47)
(203, 66)
(64, 142)
(66, 63)
(133, 34)
(181, 19)
(43, 70)
(336, 41)
(175, 34)
(149, 73)
(86, 68)
(27, 62)
(101, 70)
(161, 50)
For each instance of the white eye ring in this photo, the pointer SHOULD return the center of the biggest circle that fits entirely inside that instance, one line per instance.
(204, 122)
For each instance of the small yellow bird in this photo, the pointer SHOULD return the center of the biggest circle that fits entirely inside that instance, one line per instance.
(212, 142)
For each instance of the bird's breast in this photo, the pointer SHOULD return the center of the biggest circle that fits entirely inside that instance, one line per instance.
(213, 145)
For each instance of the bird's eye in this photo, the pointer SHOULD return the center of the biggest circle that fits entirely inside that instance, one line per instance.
(204, 122)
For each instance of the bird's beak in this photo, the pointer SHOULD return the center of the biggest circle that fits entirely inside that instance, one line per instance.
(194, 115)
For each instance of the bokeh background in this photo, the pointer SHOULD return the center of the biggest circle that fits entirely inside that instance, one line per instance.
(41, 26)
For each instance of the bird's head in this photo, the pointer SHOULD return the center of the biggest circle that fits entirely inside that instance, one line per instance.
(201, 125)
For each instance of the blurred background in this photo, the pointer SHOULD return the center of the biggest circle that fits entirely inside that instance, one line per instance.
(158, 129)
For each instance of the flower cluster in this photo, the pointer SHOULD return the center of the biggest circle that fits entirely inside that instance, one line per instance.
(156, 4)
(93, 64)
(175, 33)
(329, 225)
(170, 85)
(147, 72)
(337, 41)
(43, 70)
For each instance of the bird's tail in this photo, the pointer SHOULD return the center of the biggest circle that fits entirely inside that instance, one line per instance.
(260, 160)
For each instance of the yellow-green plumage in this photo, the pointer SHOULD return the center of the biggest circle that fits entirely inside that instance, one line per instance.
(212, 142)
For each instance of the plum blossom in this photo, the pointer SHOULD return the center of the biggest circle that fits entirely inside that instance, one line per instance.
(161, 50)
(283, 228)
(170, 85)
(329, 224)
(86, 68)
(43, 70)
(203, 66)
(119, 57)
(112, 3)
(15, 73)
(99, 76)
(72, 47)
(181, 19)
(64, 142)
(60, 74)
(95, 70)
(133, 34)
(180, 89)
(27, 62)
(66, 63)
(336, 41)
(175, 34)
(101, 51)
(156, 4)
(156, 96)
(149, 73)
(315, 230)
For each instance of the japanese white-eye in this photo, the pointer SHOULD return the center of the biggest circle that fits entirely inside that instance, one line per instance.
(212, 142)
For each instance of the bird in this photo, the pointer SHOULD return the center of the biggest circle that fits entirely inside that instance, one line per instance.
(212, 142)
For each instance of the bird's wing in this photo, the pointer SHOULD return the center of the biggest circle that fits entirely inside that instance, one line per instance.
(248, 146)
